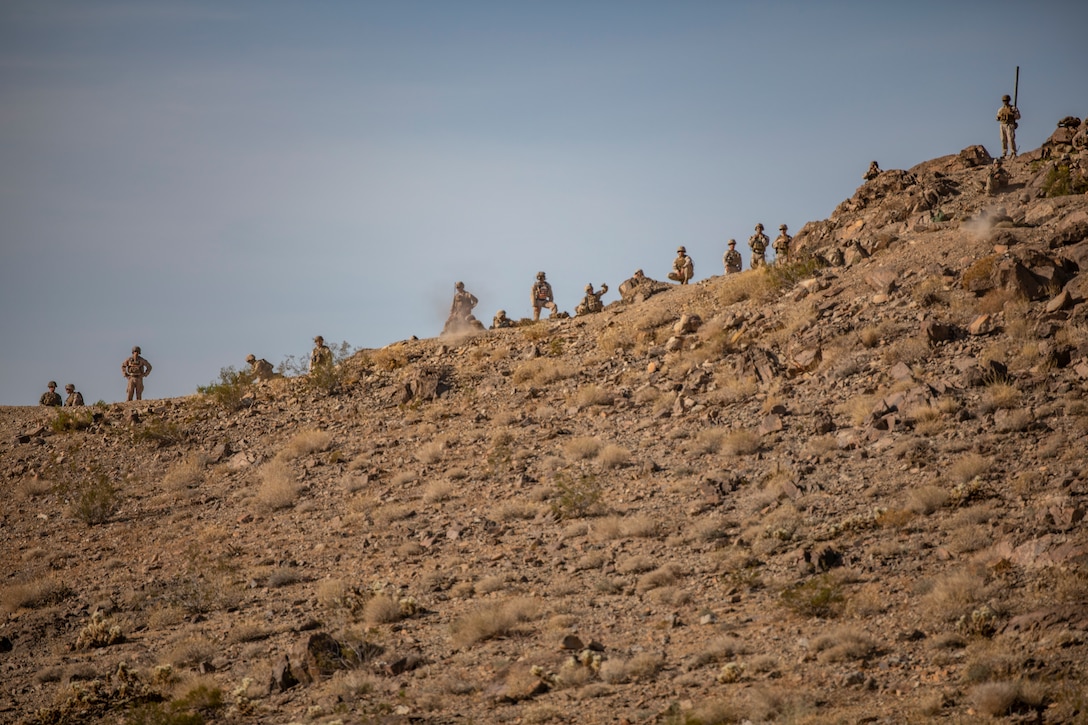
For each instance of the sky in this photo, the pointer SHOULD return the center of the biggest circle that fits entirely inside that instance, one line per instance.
(213, 179)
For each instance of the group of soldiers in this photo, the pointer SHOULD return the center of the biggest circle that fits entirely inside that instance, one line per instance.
(134, 368)
(52, 398)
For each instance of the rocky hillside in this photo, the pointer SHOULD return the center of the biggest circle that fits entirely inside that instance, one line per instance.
(817, 493)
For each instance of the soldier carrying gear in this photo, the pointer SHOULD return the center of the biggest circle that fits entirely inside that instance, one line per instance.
(1007, 116)
(997, 178)
(592, 301)
(321, 355)
(460, 317)
(758, 244)
(135, 369)
(501, 320)
(261, 369)
(74, 397)
(782, 245)
(732, 260)
(683, 269)
(542, 296)
(50, 397)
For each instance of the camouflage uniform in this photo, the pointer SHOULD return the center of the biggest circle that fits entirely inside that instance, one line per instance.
(501, 320)
(997, 178)
(732, 261)
(461, 309)
(135, 369)
(758, 244)
(542, 296)
(873, 172)
(592, 301)
(683, 269)
(1007, 116)
(782, 245)
(74, 398)
(50, 397)
(321, 355)
(261, 369)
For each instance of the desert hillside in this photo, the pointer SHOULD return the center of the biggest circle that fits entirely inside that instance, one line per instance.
(850, 488)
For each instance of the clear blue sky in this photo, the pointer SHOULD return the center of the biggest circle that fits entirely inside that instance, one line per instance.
(210, 179)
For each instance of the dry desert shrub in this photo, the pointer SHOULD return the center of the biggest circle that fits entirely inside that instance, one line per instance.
(931, 291)
(858, 408)
(383, 609)
(635, 564)
(284, 576)
(188, 651)
(389, 358)
(661, 577)
(438, 491)
(998, 395)
(517, 510)
(592, 394)
(843, 644)
(33, 487)
(582, 448)
(968, 468)
(952, 594)
(642, 666)
(34, 593)
(306, 442)
(542, 371)
(997, 699)
(186, 473)
(750, 284)
(709, 440)
(279, 487)
(494, 620)
(907, 350)
(720, 649)
(350, 686)
(614, 456)
(740, 443)
(821, 445)
(432, 452)
(614, 339)
(489, 584)
(925, 500)
(337, 596)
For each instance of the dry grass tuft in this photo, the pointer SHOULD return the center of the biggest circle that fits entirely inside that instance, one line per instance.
(496, 620)
(279, 488)
(968, 468)
(925, 500)
(997, 699)
(954, 593)
(740, 443)
(614, 456)
(591, 395)
(709, 440)
(1000, 395)
(843, 644)
(34, 594)
(307, 442)
(662, 577)
(187, 473)
(582, 448)
(543, 371)
(432, 452)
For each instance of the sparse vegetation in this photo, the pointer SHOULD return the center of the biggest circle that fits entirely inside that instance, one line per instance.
(576, 498)
(231, 389)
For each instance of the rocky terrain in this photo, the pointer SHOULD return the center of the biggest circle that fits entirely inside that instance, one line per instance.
(850, 488)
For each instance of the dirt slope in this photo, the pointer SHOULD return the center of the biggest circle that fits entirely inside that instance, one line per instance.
(816, 493)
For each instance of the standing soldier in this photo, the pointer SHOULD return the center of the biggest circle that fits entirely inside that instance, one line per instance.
(135, 369)
(732, 260)
(321, 355)
(758, 244)
(1007, 116)
(683, 269)
(461, 309)
(592, 301)
(50, 397)
(542, 297)
(74, 397)
(782, 245)
(261, 369)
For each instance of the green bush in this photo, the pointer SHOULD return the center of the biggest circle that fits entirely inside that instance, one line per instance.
(159, 432)
(96, 500)
(1061, 182)
(821, 597)
(575, 498)
(68, 419)
(231, 389)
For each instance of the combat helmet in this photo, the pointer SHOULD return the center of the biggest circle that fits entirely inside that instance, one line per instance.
(783, 227)
(540, 275)
(1006, 97)
(732, 242)
(589, 288)
(459, 285)
(70, 388)
(136, 349)
(251, 358)
(681, 250)
(759, 226)
(52, 384)
(319, 339)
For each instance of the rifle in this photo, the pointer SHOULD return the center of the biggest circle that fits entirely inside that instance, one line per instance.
(1016, 87)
